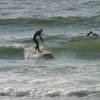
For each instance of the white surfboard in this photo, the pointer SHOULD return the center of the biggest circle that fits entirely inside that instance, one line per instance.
(30, 53)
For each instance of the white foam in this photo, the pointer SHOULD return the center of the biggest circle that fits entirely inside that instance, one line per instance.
(29, 52)
(50, 91)
(21, 85)
(11, 46)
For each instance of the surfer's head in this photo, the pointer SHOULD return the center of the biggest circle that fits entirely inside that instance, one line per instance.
(91, 32)
(41, 30)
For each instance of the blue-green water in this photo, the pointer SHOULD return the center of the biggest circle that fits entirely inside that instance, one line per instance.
(74, 71)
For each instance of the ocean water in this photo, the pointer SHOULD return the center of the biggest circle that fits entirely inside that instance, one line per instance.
(74, 71)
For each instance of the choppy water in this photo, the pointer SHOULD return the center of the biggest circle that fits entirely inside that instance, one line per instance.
(74, 71)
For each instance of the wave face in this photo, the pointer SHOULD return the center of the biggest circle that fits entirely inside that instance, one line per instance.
(12, 51)
(81, 46)
(55, 21)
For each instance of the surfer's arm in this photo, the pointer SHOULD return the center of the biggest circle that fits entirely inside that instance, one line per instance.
(41, 38)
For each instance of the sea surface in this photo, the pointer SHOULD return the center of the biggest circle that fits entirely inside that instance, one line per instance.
(73, 73)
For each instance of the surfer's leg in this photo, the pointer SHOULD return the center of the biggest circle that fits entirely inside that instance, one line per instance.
(36, 42)
(37, 45)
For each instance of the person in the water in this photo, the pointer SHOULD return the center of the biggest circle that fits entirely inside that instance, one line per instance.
(96, 35)
(37, 33)
(92, 34)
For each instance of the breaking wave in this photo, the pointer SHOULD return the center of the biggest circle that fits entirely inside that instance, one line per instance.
(53, 91)
(60, 44)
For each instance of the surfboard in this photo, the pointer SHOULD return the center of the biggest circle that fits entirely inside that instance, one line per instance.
(30, 53)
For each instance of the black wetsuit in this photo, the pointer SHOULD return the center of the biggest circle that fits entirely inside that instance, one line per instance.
(96, 35)
(92, 34)
(89, 33)
(37, 33)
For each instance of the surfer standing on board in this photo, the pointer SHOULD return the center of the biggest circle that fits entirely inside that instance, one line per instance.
(37, 33)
